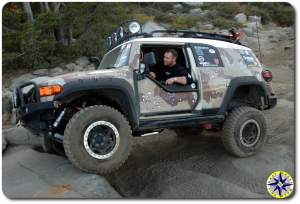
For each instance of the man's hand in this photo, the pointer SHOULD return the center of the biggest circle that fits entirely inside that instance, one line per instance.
(171, 81)
(152, 74)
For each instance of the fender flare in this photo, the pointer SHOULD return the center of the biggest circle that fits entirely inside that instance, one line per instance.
(235, 84)
(84, 86)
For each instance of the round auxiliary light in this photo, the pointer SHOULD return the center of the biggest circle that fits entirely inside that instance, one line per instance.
(121, 32)
(134, 27)
(108, 41)
(115, 36)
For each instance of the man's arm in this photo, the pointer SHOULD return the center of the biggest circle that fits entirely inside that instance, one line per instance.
(179, 80)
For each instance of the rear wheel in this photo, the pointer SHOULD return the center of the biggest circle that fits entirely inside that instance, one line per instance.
(244, 131)
(98, 139)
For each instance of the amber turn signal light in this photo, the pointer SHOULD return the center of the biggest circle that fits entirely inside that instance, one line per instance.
(50, 90)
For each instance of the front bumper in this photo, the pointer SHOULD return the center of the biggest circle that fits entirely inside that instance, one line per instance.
(30, 110)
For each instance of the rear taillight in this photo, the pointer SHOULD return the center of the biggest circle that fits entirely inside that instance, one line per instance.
(267, 75)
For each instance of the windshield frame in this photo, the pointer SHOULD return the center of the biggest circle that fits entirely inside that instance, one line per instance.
(124, 51)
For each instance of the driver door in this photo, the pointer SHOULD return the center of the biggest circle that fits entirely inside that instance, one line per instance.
(156, 98)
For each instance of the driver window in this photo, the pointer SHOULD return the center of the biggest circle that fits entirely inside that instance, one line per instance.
(159, 51)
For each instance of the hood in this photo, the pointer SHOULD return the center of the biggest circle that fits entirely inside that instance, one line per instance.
(85, 75)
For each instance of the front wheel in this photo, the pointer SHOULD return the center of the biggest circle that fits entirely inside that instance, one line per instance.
(244, 131)
(97, 139)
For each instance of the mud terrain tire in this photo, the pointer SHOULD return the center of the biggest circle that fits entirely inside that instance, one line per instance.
(75, 132)
(244, 131)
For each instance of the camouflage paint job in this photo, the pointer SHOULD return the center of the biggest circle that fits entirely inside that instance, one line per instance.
(215, 80)
(155, 99)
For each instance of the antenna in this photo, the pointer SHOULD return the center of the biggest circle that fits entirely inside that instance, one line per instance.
(260, 56)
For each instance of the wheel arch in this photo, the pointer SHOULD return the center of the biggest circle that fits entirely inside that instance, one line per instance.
(248, 90)
(115, 92)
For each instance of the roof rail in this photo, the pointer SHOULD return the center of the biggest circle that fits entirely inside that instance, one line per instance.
(196, 34)
(120, 36)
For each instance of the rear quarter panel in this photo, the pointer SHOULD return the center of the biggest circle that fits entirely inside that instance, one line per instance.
(215, 80)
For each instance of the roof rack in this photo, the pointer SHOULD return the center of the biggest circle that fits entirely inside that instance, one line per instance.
(195, 34)
(135, 31)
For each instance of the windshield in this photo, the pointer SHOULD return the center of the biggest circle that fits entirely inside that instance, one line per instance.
(118, 57)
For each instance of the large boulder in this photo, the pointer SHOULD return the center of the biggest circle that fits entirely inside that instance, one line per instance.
(71, 67)
(248, 31)
(193, 4)
(255, 19)
(21, 136)
(6, 101)
(21, 80)
(251, 28)
(31, 174)
(151, 26)
(196, 12)
(90, 67)
(177, 6)
(252, 42)
(241, 18)
(41, 72)
(205, 26)
(4, 143)
(56, 71)
(82, 61)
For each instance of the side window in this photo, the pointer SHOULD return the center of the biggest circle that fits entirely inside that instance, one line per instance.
(206, 56)
(249, 58)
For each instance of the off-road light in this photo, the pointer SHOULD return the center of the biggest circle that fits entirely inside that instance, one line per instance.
(134, 27)
(50, 90)
(108, 42)
(267, 75)
(121, 32)
(115, 37)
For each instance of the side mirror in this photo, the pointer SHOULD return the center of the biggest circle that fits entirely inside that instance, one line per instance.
(149, 59)
(142, 68)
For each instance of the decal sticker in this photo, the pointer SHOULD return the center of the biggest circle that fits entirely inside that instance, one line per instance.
(201, 59)
(280, 184)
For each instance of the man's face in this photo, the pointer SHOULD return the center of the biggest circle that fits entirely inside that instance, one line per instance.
(169, 59)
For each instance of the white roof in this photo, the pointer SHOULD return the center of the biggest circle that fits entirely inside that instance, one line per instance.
(215, 43)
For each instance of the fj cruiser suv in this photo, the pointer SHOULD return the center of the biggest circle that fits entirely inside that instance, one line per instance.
(94, 114)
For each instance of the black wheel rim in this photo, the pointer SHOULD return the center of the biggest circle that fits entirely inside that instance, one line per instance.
(101, 139)
(249, 133)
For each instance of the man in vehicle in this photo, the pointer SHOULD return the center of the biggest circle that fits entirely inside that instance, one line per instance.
(171, 72)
